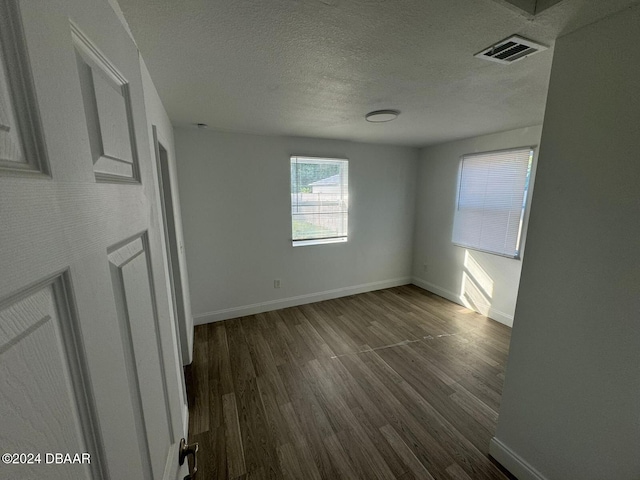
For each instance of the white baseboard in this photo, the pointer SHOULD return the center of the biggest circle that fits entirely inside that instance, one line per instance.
(448, 294)
(513, 462)
(494, 313)
(255, 308)
(501, 317)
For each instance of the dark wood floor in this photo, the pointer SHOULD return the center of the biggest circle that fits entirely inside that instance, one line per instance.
(397, 383)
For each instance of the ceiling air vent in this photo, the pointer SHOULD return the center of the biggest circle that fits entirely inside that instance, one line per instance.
(510, 50)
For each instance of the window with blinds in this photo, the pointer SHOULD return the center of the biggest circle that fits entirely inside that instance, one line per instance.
(319, 200)
(492, 195)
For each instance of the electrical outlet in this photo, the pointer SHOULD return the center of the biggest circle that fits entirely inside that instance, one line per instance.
(425, 267)
(276, 283)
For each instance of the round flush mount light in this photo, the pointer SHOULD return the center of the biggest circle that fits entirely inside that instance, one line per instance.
(381, 116)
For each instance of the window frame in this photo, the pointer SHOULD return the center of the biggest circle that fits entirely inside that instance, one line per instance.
(344, 162)
(526, 199)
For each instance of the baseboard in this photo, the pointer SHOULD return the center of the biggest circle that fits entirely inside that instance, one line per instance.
(448, 294)
(494, 313)
(513, 462)
(255, 308)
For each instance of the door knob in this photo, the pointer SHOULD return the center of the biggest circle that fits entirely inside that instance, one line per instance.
(184, 452)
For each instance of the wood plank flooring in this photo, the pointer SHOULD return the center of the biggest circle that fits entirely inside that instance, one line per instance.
(392, 384)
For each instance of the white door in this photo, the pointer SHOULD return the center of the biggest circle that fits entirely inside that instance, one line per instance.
(88, 359)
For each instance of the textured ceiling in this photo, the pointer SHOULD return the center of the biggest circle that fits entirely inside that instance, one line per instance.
(315, 67)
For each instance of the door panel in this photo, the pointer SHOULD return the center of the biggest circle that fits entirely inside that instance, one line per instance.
(138, 322)
(94, 366)
(45, 399)
(21, 140)
(107, 105)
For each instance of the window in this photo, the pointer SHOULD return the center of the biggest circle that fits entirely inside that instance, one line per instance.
(492, 195)
(319, 200)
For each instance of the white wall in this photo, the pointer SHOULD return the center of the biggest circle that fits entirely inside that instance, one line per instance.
(452, 271)
(156, 115)
(571, 402)
(237, 222)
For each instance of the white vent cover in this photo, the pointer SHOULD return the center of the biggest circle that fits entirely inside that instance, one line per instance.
(510, 50)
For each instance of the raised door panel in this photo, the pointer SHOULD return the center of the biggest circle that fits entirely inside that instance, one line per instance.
(10, 142)
(21, 139)
(134, 296)
(45, 403)
(112, 115)
(108, 111)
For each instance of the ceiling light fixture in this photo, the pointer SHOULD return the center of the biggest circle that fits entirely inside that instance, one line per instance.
(202, 125)
(380, 116)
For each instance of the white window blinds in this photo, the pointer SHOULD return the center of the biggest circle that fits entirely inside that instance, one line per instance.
(492, 194)
(319, 200)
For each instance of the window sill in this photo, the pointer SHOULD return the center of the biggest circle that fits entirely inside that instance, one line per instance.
(318, 241)
(498, 254)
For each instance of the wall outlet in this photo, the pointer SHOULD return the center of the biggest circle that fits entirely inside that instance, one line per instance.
(425, 267)
(276, 283)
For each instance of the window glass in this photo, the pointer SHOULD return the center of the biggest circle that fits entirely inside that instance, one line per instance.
(319, 200)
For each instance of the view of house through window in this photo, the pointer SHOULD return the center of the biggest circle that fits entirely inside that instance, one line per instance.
(492, 196)
(319, 200)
